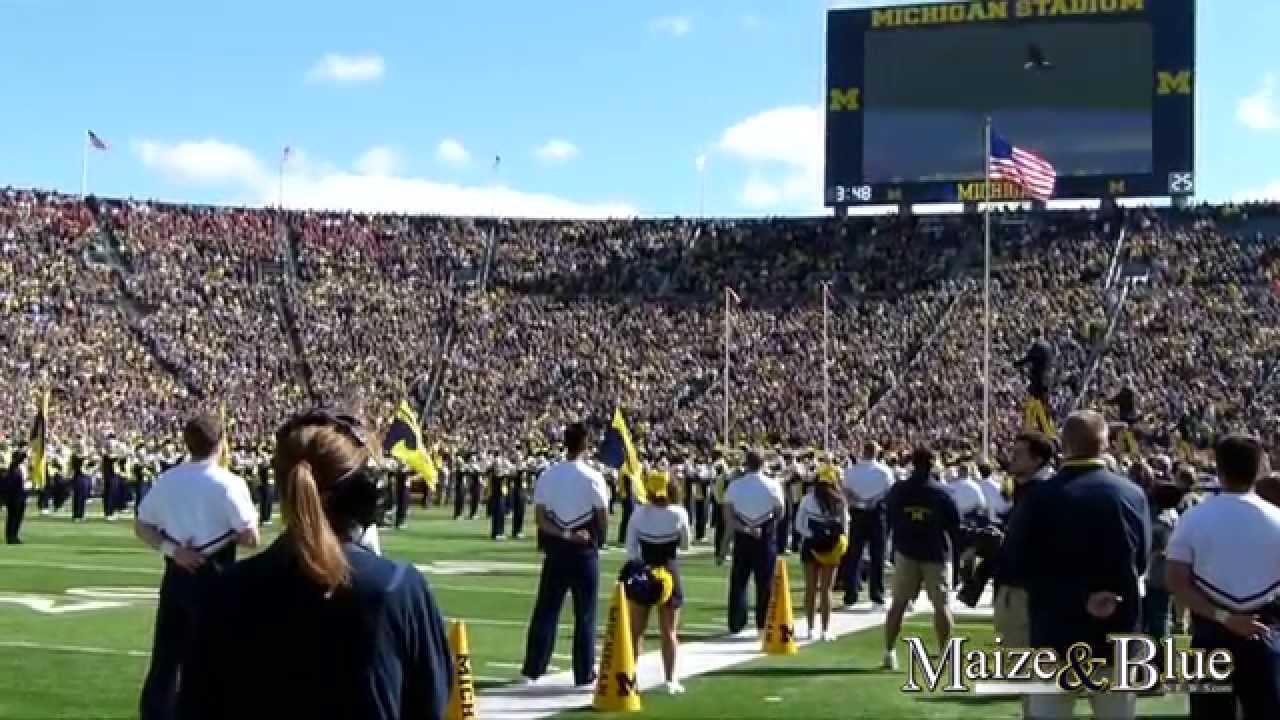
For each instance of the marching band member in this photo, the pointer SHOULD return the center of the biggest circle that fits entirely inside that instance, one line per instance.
(499, 470)
(822, 520)
(659, 530)
(570, 505)
(13, 488)
(113, 477)
(400, 483)
(753, 505)
(81, 482)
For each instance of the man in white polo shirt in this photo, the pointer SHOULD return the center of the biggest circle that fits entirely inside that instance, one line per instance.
(1223, 564)
(571, 502)
(753, 505)
(866, 484)
(196, 515)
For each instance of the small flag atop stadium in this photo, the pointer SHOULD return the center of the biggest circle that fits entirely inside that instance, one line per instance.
(497, 161)
(39, 444)
(284, 154)
(1031, 172)
(98, 142)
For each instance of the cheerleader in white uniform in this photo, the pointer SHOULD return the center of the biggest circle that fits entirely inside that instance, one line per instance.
(658, 531)
(822, 521)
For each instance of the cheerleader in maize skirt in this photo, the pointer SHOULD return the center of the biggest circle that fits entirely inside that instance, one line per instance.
(822, 521)
(658, 531)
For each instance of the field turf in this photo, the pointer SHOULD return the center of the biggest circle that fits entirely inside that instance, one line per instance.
(63, 655)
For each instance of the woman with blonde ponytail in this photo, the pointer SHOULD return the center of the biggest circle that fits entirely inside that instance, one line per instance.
(349, 634)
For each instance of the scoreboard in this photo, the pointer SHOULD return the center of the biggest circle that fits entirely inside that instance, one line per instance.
(1102, 89)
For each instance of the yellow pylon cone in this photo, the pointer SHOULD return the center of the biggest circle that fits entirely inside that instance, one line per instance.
(462, 694)
(779, 627)
(616, 689)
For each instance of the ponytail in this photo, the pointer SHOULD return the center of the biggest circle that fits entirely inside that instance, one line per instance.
(317, 547)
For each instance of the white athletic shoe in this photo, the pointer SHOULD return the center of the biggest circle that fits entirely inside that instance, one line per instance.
(808, 635)
(44, 511)
(675, 688)
(827, 636)
(890, 661)
(528, 681)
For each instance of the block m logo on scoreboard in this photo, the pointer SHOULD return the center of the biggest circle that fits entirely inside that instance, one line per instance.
(849, 99)
(1173, 83)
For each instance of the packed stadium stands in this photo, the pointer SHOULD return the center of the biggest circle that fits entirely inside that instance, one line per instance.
(136, 312)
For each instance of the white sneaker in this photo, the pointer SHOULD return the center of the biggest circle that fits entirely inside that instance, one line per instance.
(827, 636)
(528, 681)
(45, 511)
(675, 688)
(890, 661)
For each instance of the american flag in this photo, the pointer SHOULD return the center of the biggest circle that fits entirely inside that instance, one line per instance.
(1033, 173)
(98, 142)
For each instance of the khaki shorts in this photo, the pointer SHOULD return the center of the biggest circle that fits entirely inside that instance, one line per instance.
(909, 576)
(1010, 615)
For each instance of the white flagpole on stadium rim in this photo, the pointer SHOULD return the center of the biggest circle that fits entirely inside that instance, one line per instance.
(725, 439)
(826, 372)
(986, 294)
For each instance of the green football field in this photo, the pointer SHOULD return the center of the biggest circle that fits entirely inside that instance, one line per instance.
(76, 607)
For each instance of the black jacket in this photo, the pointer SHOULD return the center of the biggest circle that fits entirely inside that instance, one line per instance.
(1008, 570)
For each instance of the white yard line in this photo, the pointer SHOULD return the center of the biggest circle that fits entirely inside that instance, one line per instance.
(26, 645)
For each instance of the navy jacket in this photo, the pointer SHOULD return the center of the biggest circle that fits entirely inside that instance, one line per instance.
(269, 645)
(1086, 530)
(923, 518)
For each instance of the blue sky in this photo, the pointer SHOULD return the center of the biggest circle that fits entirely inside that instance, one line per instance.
(596, 108)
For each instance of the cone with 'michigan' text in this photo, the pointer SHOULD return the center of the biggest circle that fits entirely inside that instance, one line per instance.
(462, 694)
(779, 626)
(616, 689)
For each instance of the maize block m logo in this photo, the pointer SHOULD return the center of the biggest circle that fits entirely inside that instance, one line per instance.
(626, 684)
(1173, 83)
(849, 99)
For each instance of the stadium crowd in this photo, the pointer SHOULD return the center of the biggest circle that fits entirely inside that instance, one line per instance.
(136, 312)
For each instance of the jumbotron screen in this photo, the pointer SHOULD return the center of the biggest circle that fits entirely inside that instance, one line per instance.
(1101, 89)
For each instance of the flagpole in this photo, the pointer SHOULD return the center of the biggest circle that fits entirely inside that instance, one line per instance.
(84, 165)
(826, 370)
(725, 440)
(284, 155)
(986, 295)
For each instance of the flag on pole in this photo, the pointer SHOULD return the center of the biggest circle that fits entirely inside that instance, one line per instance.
(225, 458)
(497, 161)
(403, 442)
(733, 295)
(1033, 173)
(39, 444)
(618, 452)
(98, 142)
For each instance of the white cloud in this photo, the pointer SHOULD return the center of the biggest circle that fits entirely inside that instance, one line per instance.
(379, 160)
(370, 186)
(1269, 193)
(199, 161)
(760, 194)
(1260, 111)
(347, 69)
(673, 25)
(452, 152)
(556, 150)
(782, 150)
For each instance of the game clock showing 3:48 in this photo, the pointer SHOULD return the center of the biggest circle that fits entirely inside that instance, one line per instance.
(843, 194)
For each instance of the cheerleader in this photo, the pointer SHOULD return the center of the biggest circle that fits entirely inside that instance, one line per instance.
(822, 520)
(657, 532)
